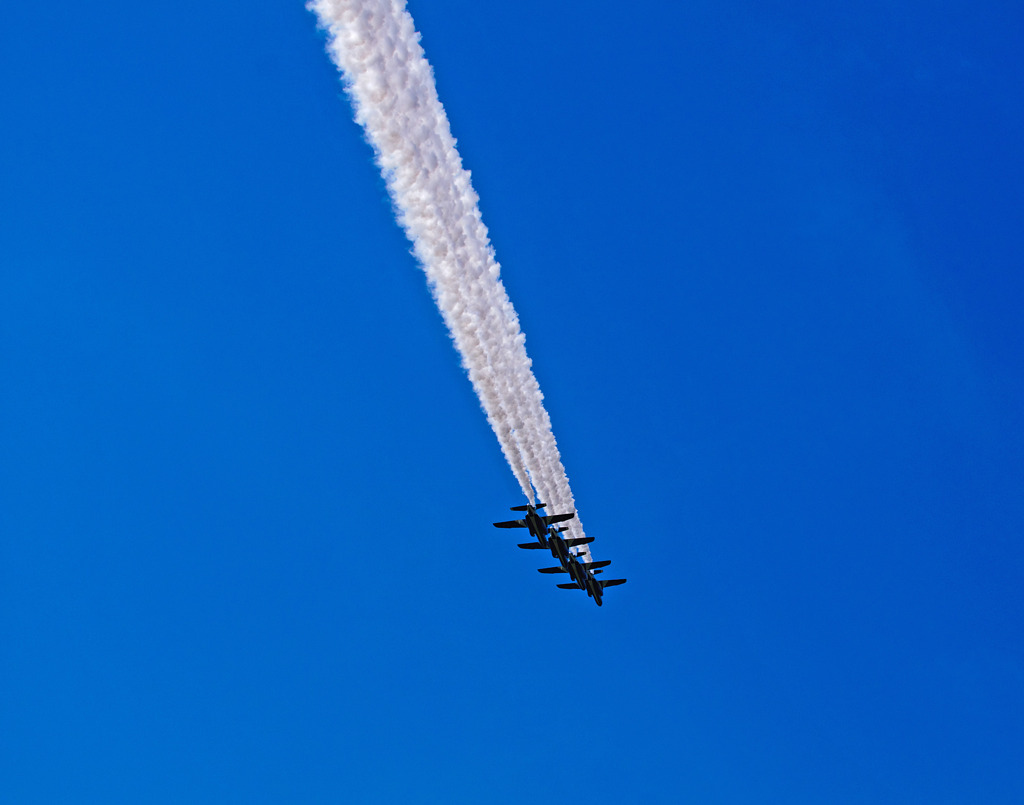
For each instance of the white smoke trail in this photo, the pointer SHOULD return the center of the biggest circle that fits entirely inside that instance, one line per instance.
(375, 45)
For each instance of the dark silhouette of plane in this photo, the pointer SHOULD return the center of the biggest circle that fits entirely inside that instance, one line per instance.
(536, 522)
(558, 546)
(576, 569)
(593, 585)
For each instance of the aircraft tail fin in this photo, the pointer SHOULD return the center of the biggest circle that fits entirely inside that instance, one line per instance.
(527, 508)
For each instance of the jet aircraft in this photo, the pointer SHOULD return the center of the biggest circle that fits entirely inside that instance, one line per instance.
(576, 569)
(536, 522)
(593, 585)
(558, 546)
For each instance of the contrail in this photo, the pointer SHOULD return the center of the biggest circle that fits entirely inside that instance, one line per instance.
(375, 45)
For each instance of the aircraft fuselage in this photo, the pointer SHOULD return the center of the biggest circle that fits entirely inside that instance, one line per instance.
(592, 586)
(536, 524)
(559, 550)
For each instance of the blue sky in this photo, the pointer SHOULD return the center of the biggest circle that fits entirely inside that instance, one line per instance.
(767, 259)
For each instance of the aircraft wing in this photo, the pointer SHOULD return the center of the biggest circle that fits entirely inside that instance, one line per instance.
(573, 586)
(511, 524)
(612, 582)
(558, 518)
(532, 545)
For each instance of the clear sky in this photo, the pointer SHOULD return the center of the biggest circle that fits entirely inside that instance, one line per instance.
(767, 257)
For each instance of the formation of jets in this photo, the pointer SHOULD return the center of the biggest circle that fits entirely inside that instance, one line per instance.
(583, 574)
